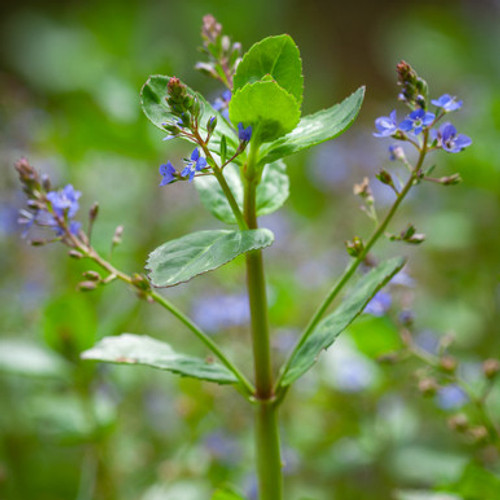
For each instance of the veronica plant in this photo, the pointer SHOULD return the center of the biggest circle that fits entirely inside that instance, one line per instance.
(237, 167)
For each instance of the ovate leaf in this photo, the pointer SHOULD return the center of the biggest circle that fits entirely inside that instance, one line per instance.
(277, 56)
(268, 108)
(272, 192)
(155, 107)
(142, 350)
(226, 494)
(315, 129)
(180, 260)
(333, 325)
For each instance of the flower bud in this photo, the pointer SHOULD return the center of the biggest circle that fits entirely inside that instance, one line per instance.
(140, 281)
(211, 124)
(37, 242)
(459, 422)
(385, 178)
(94, 211)
(491, 367)
(448, 364)
(479, 434)
(92, 275)
(354, 247)
(117, 237)
(451, 180)
(428, 386)
(75, 254)
(87, 286)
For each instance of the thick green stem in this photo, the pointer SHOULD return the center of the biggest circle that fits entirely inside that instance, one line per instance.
(269, 467)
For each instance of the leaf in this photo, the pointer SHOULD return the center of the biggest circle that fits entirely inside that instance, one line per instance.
(154, 106)
(315, 129)
(333, 325)
(179, 260)
(268, 108)
(128, 348)
(21, 357)
(277, 56)
(425, 495)
(226, 494)
(272, 192)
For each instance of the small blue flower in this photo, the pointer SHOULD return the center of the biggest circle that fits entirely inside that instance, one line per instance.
(65, 201)
(244, 134)
(447, 103)
(386, 125)
(221, 104)
(194, 164)
(449, 140)
(417, 120)
(451, 397)
(74, 227)
(168, 171)
(379, 305)
(396, 152)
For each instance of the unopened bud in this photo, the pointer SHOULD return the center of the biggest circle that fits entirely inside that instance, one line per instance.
(416, 239)
(428, 386)
(140, 281)
(363, 188)
(385, 178)
(211, 124)
(87, 286)
(37, 243)
(175, 88)
(459, 422)
(75, 254)
(94, 211)
(117, 237)
(388, 358)
(479, 433)
(46, 182)
(451, 180)
(448, 364)
(207, 69)
(354, 247)
(406, 318)
(92, 275)
(491, 367)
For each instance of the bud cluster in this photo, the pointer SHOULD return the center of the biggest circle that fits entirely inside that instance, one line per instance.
(414, 90)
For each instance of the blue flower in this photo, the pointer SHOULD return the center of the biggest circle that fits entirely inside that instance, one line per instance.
(447, 103)
(168, 171)
(386, 125)
(379, 305)
(244, 134)
(221, 104)
(417, 120)
(449, 140)
(65, 201)
(451, 397)
(194, 164)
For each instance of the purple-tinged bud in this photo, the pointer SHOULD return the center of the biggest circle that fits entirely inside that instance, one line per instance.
(451, 180)
(458, 423)
(46, 184)
(479, 434)
(491, 367)
(406, 317)
(416, 239)
(385, 178)
(355, 246)
(75, 254)
(207, 69)
(211, 124)
(414, 90)
(363, 189)
(94, 211)
(175, 88)
(117, 237)
(428, 386)
(448, 364)
(92, 275)
(210, 29)
(87, 286)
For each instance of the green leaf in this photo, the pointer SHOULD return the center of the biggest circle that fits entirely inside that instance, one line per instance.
(26, 358)
(277, 56)
(426, 495)
(155, 107)
(226, 494)
(268, 108)
(143, 350)
(272, 192)
(179, 260)
(315, 129)
(333, 325)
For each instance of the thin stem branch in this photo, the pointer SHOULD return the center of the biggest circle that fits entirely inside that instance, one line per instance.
(349, 272)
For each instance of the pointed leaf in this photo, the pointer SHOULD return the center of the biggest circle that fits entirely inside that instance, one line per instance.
(277, 56)
(180, 260)
(155, 107)
(268, 108)
(143, 350)
(333, 325)
(315, 129)
(272, 191)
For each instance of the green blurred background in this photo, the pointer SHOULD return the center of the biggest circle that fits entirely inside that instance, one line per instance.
(70, 75)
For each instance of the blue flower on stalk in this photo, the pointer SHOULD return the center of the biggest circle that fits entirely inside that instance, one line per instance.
(386, 125)
(417, 120)
(168, 172)
(447, 103)
(244, 134)
(379, 305)
(65, 201)
(221, 104)
(451, 397)
(194, 164)
(449, 140)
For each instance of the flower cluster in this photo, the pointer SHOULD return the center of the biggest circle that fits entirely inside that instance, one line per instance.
(420, 121)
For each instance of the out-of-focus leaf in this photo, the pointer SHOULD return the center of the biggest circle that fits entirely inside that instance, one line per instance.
(27, 358)
(333, 325)
(226, 494)
(425, 495)
(143, 350)
(180, 260)
(315, 129)
(272, 192)
(269, 109)
(277, 56)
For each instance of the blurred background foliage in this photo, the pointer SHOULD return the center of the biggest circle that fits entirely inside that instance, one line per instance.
(70, 75)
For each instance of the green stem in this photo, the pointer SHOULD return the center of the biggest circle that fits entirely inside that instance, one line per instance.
(269, 467)
(351, 269)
